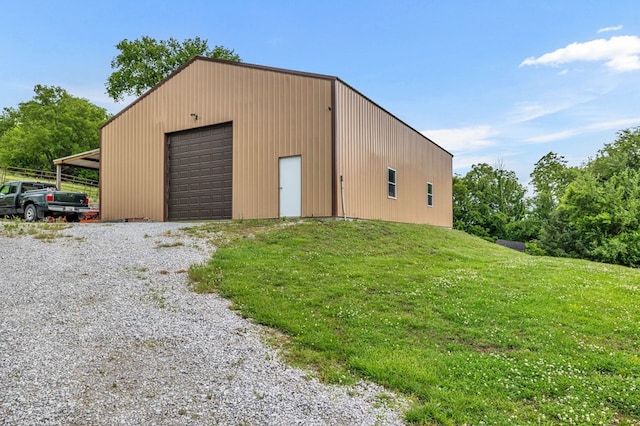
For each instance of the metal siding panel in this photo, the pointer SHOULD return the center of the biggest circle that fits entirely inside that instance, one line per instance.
(369, 140)
(130, 166)
(274, 114)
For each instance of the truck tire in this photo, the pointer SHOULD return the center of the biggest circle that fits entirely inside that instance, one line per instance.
(30, 213)
(75, 217)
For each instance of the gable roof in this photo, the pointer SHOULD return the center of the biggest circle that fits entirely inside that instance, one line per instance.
(221, 61)
(264, 68)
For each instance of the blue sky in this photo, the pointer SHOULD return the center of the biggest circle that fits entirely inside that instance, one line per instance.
(500, 81)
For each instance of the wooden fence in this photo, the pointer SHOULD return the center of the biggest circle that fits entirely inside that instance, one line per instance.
(69, 182)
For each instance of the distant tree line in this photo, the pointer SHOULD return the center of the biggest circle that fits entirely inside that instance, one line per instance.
(590, 212)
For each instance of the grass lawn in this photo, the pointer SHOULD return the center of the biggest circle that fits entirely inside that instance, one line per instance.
(43, 231)
(472, 332)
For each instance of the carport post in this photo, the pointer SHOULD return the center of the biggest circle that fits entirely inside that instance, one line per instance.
(58, 176)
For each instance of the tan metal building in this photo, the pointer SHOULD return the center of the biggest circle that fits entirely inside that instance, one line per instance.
(221, 140)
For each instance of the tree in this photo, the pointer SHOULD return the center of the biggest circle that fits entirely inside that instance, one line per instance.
(143, 63)
(598, 216)
(550, 178)
(487, 200)
(53, 124)
(8, 120)
(598, 220)
(622, 154)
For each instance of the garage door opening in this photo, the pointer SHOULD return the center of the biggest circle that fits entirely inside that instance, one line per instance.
(199, 171)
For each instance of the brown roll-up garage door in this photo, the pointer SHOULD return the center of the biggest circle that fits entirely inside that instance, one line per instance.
(199, 173)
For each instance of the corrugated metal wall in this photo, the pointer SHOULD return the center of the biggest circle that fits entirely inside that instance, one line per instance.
(368, 141)
(274, 114)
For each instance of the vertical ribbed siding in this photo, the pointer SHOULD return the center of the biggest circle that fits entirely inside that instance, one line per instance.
(274, 114)
(368, 141)
(132, 169)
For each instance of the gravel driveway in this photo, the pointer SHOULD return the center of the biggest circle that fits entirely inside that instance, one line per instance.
(98, 327)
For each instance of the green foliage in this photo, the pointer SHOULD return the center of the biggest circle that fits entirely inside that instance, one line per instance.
(53, 124)
(551, 175)
(486, 201)
(474, 333)
(526, 229)
(534, 249)
(8, 120)
(620, 155)
(550, 178)
(591, 212)
(598, 216)
(598, 220)
(145, 62)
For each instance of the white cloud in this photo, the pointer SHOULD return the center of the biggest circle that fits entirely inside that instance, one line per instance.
(605, 125)
(465, 139)
(607, 29)
(555, 136)
(528, 111)
(621, 53)
(625, 63)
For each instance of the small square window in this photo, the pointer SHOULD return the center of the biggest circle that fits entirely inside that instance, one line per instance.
(391, 182)
(429, 194)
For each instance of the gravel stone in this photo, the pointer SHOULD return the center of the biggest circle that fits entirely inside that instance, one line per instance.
(98, 327)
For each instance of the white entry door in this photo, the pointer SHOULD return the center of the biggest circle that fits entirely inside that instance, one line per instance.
(290, 187)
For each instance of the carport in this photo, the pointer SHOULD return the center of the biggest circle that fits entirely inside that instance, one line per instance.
(85, 160)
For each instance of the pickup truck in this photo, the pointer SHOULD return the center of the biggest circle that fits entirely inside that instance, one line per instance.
(37, 200)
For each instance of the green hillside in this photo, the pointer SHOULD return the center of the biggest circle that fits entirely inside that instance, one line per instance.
(472, 332)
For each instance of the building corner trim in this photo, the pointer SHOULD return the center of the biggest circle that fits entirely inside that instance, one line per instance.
(334, 166)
